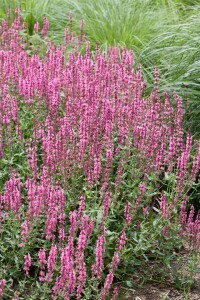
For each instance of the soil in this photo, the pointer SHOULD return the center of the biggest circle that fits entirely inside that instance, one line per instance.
(159, 292)
(162, 292)
(166, 291)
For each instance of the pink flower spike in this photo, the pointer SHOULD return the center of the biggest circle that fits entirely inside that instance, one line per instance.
(163, 205)
(27, 263)
(51, 263)
(127, 213)
(115, 293)
(2, 285)
(43, 262)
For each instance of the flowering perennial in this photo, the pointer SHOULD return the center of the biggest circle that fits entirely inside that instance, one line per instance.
(89, 116)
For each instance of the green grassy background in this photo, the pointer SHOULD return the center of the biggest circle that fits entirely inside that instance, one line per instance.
(161, 32)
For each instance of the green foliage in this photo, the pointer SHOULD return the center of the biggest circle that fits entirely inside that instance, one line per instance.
(124, 22)
(34, 11)
(163, 33)
(156, 41)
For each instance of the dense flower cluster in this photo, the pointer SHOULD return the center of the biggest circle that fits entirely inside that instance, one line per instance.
(86, 110)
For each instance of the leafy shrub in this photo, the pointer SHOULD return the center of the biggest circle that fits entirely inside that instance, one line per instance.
(94, 173)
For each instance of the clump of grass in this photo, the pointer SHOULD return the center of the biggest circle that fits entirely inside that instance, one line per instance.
(156, 30)
(176, 51)
(163, 33)
(34, 11)
(121, 22)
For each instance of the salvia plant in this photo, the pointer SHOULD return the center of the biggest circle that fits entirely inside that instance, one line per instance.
(93, 172)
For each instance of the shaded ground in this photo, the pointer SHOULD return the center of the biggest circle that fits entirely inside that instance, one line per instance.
(157, 291)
